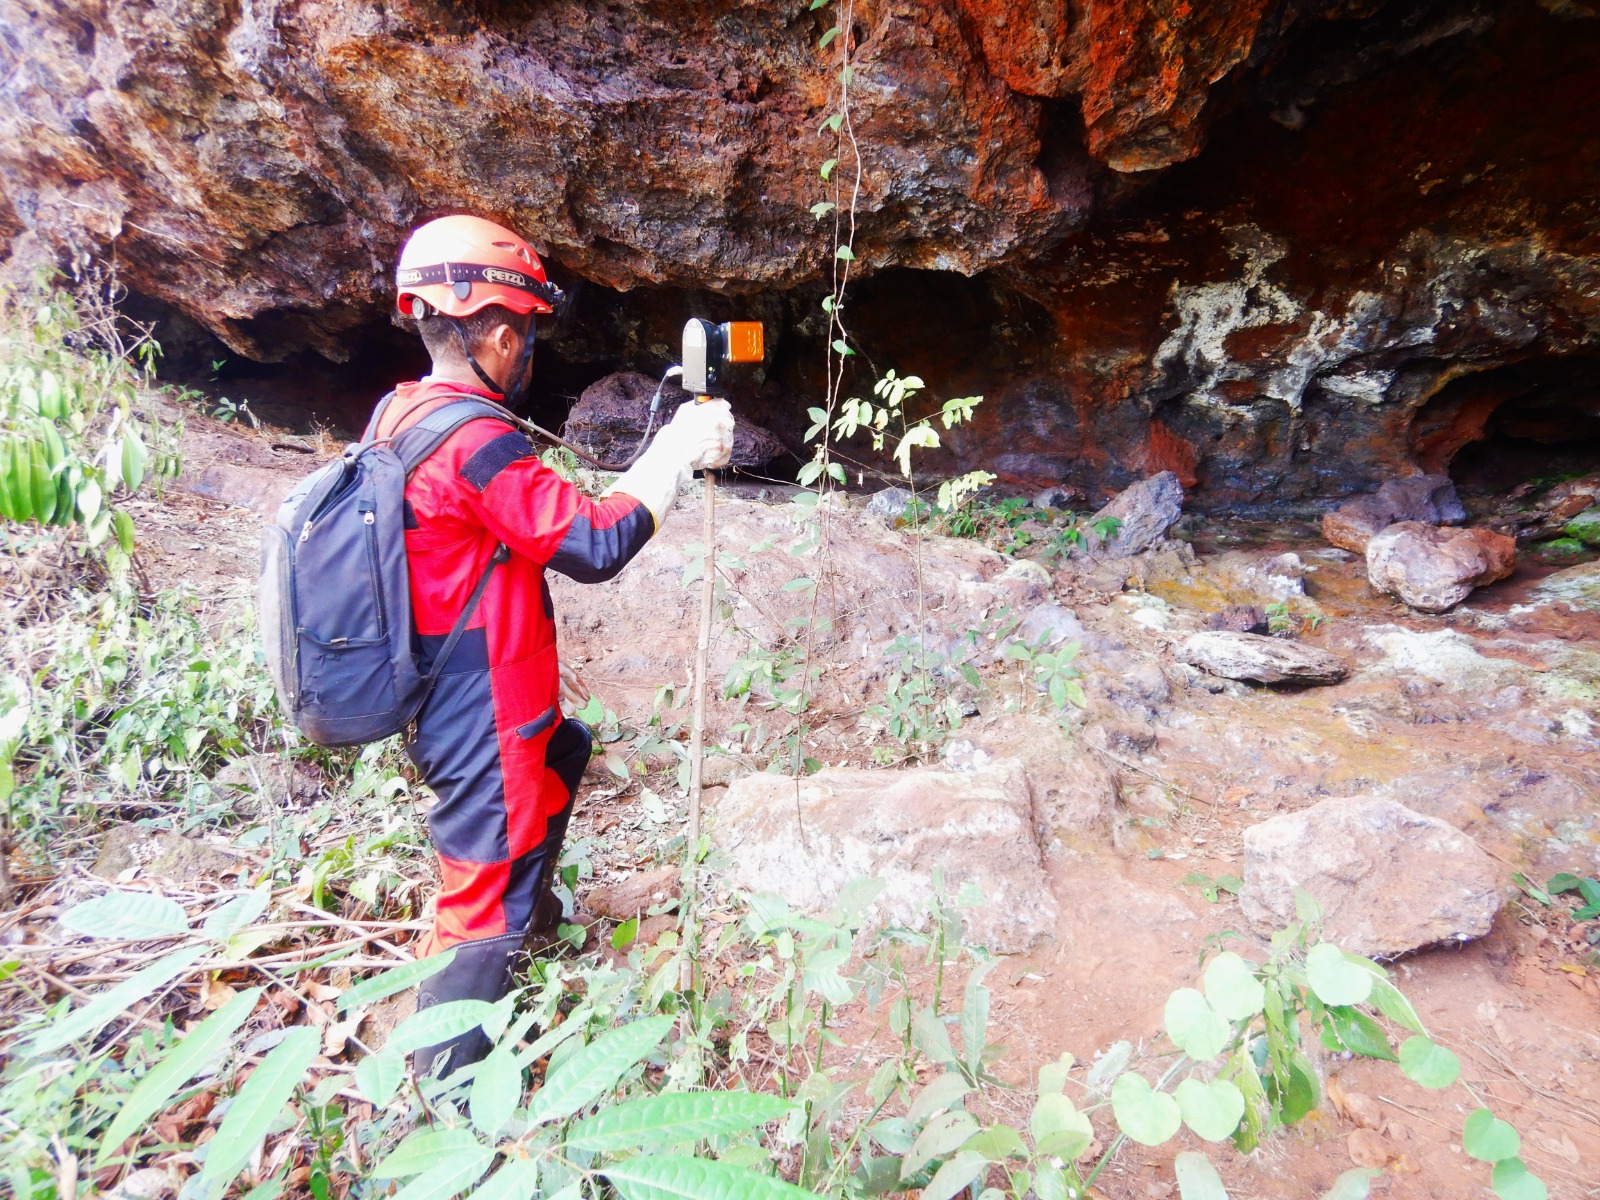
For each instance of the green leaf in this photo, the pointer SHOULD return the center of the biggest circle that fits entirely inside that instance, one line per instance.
(256, 1107)
(1059, 1129)
(955, 1175)
(1197, 1178)
(675, 1117)
(1194, 1026)
(827, 167)
(997, 1143)
(1533, 890)
(449, 1178)
(518, 1179)
(122, 523)
(1426, 1062)
(200, 1050)
(1392, 1004)
(1148, 1117)
(424, 1150)
(88, 501)
(930, 1036)
(1335, 979)
(1232, 987)
(596, 1068)
(799, 585)
(1354, 1184)
(828, 37)
(134, 459)
(1213, 1110)
(1300, 1091)
(821, 209)
(223, 923)
(623, 935)
(941, 1136)
(437, 1024)
(1513, 1181)
(496, 1088)
(1359, 1033)
(677, 1177)
(394, 980)
(937, 1096)
(379, 1076)
(1489, 1139)
(113, 1002)
(127, 915)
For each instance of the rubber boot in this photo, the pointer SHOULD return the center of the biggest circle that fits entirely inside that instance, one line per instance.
(481, 971)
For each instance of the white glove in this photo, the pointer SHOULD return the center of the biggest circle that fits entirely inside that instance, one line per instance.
(698, 436)
(702, 432)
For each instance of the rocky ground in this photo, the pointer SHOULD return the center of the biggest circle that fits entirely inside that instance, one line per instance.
(1451, 753)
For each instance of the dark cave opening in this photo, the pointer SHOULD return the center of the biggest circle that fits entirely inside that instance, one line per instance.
(1535, 421)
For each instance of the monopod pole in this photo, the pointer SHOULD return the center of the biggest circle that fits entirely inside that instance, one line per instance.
(697, 731)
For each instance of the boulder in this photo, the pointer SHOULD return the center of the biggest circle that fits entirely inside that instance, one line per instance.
(613, 413)
(1074, 794)
(805, 839)
(1585, 527)
(1238, 618)
(131, 850)
(1432, 569)
(1261, 659)
(634, 895)
(1430, 499)
(1057, 498)
(890, 504)
(1389, 880)
(1145, 511)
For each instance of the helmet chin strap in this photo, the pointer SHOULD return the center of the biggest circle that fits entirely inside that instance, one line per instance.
(513, 394)
(472, 359)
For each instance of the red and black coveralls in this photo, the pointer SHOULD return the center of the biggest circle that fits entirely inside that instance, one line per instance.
(491, 741)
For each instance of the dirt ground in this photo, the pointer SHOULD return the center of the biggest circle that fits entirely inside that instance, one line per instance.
(1494, 734)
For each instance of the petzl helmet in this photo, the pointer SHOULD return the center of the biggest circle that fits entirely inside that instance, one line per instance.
(457, 265)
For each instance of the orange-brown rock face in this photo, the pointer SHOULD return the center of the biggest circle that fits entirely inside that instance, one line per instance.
(1286, 249)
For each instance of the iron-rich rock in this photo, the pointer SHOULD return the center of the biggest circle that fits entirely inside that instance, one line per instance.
(1389, 880)
(612, 414)
(805, 839)
(1261, 659)
(1238, 618)
(1433, 569)
(1143, 512)
(1430, 499)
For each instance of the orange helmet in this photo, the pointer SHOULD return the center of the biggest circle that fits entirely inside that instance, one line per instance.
(457, 265)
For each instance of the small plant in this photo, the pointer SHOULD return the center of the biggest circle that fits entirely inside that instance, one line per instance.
(1283, 621)
(70, 441)
(1212, 889)
(1051, 671)
(228, 411)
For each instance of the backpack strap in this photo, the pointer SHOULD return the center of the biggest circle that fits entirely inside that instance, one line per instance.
(428, 434)
(412, 447)
(377, 416)
(501, 554)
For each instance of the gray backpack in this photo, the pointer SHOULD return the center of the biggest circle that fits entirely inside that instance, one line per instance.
(334, 601)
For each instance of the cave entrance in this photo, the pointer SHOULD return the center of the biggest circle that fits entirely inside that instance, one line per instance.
(1494, 430)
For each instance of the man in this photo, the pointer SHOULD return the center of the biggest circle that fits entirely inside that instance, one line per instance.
(491, 740)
